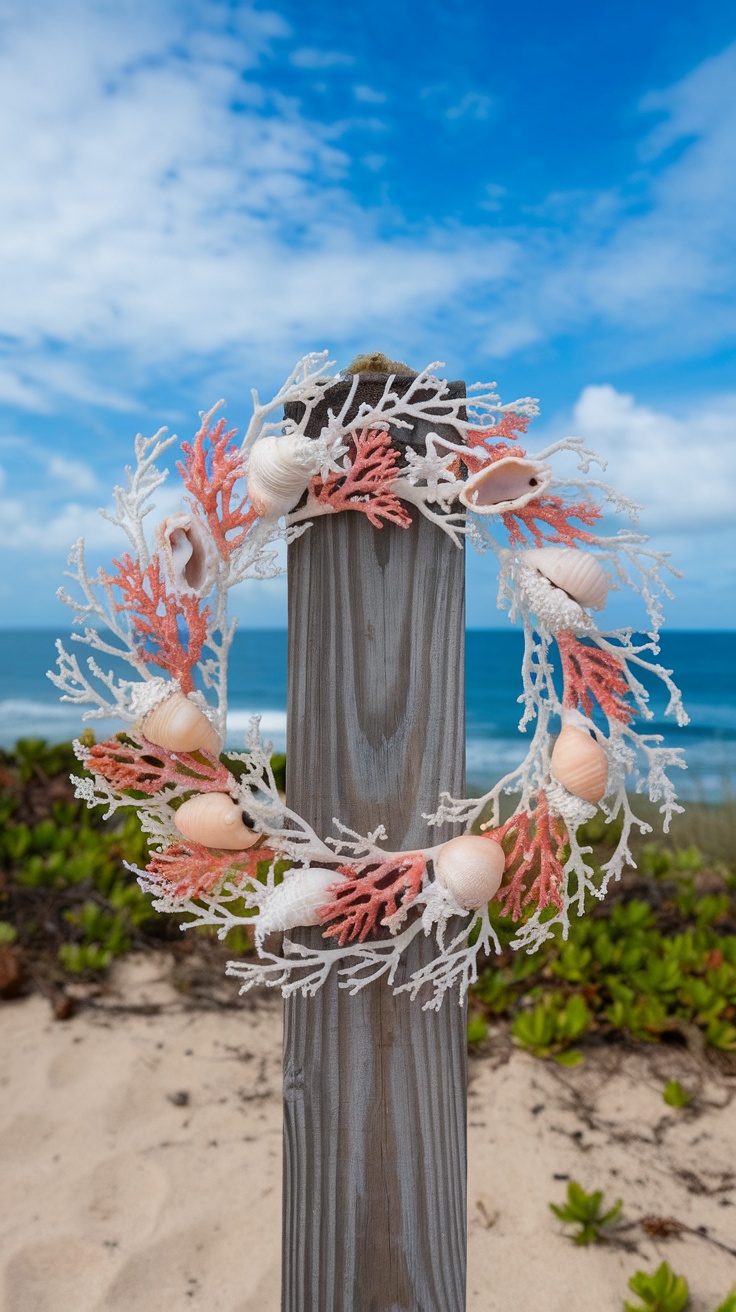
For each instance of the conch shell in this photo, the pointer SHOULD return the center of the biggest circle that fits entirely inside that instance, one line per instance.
(471, 868)
(279, 471)
(576, 572)
(188, 553)
(580, 764)
(215, 820)
(505, 485)
(180, 726)
(297, 900)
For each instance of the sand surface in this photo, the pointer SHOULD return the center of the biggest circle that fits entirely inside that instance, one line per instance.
(140, 1163)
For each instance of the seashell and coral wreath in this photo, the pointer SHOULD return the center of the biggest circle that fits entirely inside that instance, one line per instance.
(224, 847)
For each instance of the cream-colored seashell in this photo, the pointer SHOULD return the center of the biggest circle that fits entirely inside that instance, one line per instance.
(215, 820)
(576, 572)
(188, 553)
(279, 471)
(505, 485)
(180, 726)
(580, 764)
(297, 900)
(471, 868)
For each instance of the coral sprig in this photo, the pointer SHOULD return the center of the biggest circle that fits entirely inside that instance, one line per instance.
(155, 616)
(367, 484)
(538, 841)
(190, 870)
(548, 520)
(147, 769)
(370, 897)
(588, 673)
(210, 470)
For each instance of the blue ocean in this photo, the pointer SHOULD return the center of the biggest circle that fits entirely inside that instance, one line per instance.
(704, 666)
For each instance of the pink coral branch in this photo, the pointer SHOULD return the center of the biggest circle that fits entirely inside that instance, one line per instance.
(190, 870)
(587, 673)
(366, 486)
(548, 520)
(155, 615)
(371, 896)
(508, 430)
(538, 840)
(145, 768)
(211, 468)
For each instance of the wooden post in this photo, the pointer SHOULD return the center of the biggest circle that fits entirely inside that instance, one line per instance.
(375, 1089)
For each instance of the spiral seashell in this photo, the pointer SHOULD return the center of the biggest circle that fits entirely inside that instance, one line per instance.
(580, 764)
(505, 485)
(297, 900)
(215, 820)
(188, 553)
(180, 726)
(576, 572)
(279, 471)
(471, 869)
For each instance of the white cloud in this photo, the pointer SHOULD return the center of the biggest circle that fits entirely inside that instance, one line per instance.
(308, 57)
(369, 96)
(73, 473)
(160, 202)
(682, 466)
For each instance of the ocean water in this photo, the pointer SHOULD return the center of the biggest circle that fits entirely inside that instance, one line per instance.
(704, 665)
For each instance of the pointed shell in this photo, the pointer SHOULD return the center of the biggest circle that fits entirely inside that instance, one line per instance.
(297, 900)
(180, 726)
(279, 471)
(580, 764)
(188, 553)
(576, 572)
(215, 820)
(505, 485)
(471, 868)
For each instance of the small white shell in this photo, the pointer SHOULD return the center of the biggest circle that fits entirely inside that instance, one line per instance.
(297, 900)
(215, 820)
(279, 471)
(188, 553)
(180, 726)
(471, 868)
(576, 572)
(505, 485)
(580, 764)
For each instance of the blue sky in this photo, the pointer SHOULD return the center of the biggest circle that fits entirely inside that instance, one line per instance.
(192, 195)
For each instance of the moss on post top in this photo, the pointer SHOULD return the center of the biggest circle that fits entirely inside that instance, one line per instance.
(375, 362)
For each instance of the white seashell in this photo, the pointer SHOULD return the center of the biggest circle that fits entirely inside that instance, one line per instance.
(188, 553)
(279, 471)
(215, 820)
(297, 900)
(576, 572)
(505, 485)
(471, 868)
(180, 726)
(580, 764)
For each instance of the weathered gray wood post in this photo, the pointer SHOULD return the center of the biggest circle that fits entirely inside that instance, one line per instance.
(375, 1088)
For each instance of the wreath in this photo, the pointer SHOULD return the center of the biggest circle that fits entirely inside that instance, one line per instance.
(224, 848)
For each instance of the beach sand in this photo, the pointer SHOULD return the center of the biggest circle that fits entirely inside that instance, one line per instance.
(140, 1162)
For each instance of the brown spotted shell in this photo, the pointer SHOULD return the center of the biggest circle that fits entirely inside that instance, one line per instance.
(471, 868)
(505, 485)
(180, 726)
(215, 820)
(580, 764)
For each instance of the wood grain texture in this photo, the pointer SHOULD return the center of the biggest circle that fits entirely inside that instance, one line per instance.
(374, 1088)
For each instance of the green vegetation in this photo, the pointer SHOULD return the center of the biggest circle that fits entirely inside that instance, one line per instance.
(68, 906)
(656, 959)
(586, 1212)
(675, 1096)
(662, 1292)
